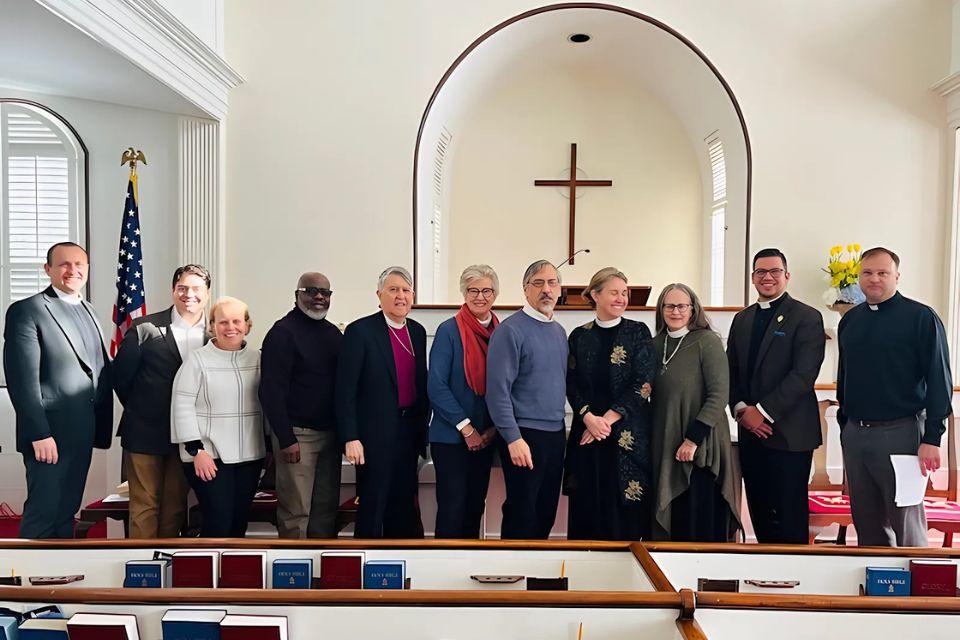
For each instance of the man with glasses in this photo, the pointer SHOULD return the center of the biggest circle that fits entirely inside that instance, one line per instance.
(775, 350)
(526, 397)
(298, 371)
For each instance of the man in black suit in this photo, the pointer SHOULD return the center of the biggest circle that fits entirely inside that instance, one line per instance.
(147, 361)
(382, 409)
(775, 350)
(58, 377)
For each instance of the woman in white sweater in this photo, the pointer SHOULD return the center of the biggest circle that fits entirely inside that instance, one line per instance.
(216, 419)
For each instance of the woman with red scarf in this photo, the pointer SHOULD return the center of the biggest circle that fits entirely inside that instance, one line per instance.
(461, 431)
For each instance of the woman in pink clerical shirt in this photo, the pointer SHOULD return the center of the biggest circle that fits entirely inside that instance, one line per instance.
(382, 409)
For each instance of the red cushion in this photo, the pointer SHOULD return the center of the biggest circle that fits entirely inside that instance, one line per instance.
(937, 509)
(943, 510)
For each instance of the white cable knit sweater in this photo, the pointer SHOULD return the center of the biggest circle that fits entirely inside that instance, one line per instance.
(215, 401)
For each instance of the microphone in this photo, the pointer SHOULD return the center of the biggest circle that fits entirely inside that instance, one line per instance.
(575, 253)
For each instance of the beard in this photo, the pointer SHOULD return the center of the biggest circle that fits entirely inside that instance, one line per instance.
(312, 313)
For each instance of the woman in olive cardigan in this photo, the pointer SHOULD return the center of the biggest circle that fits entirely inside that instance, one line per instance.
(696, 482)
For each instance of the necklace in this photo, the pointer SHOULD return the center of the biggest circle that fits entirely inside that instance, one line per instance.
(667, 360)
(397, 336)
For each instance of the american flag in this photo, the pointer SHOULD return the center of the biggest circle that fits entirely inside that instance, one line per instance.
(131, 299)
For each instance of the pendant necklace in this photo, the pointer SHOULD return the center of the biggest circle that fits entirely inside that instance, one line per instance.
(667, 360)
(400, 340)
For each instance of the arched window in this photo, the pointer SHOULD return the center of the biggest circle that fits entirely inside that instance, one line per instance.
(42, 194)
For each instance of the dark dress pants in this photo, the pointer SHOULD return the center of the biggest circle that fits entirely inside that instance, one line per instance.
(54, 492)
(776, 488)
(387, 488)
(226, 500)
(462, 480)
(532, 494)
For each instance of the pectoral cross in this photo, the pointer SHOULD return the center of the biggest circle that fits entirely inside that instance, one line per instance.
(572, 183)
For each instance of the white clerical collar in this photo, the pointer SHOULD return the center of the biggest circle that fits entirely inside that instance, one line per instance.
(765, 304)
(395, 325)
(486, 323)
(536, 315)
(177, 320)
(607, 324)
(874, 307)
(679, 333)
(69, 298)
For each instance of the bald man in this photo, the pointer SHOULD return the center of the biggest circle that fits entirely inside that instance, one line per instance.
(298, 367)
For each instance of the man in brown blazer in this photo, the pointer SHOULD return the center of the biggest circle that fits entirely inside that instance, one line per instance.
(775, 350)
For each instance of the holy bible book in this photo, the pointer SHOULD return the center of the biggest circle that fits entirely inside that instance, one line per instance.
(192, 624)
(195, 569)
(103, 626)
(244, 627)
(292, 573)
(43, 629)
(243, 570)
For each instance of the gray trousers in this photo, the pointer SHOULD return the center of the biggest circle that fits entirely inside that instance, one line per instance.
(866, 459)
(308, 492)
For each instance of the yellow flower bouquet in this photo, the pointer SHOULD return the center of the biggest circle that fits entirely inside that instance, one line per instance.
(843, 274)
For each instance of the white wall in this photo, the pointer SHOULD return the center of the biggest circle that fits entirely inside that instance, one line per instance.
(203, 17)
(107, 130)
(647, 224)
(848, 141)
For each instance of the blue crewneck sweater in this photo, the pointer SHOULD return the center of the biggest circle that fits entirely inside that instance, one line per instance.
(526, 376)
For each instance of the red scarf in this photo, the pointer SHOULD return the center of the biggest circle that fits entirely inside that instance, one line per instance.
(475, 338)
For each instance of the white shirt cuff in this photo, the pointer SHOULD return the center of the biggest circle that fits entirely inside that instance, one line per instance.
(462, 424)
(765, 414)
(739, 407)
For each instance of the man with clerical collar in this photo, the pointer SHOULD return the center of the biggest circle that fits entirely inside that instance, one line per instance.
(298, 367)
(895, 388)
(526, 397)
(150, 354)
(382, 409)
(58, 378)
(775, 349)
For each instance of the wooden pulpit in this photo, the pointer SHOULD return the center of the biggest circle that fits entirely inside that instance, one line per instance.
(571, 295)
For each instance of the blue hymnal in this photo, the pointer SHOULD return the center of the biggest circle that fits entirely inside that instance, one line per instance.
(43, 629)
(888, 581)
(146, 574)
(384, 574)
(8, 628)
(292, 573)
(192, 624)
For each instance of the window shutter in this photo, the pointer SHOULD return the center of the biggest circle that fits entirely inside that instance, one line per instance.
(718, 225)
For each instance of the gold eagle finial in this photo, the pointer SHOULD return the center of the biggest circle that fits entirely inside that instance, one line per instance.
(132, 157)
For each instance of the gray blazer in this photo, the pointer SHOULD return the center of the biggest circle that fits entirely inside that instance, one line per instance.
(143, 371)
(49, 380)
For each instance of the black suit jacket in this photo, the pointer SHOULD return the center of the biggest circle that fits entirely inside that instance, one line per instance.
(147, 362)
(788, 363)
(50, 382)
(366, 388)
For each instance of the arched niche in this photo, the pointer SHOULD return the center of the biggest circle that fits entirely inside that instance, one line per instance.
(483, 140)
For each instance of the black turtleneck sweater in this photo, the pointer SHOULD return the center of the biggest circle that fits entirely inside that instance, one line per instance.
(894, 364)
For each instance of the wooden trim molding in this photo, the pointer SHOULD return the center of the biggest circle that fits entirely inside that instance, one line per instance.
(650, 567)
(911, 604)
(602, 7)
(797, 550)
(691, 630)
(346, 543)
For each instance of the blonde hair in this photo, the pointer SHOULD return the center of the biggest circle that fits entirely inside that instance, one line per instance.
(599, 279)
(225, 300)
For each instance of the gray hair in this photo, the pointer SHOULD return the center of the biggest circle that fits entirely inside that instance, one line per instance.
(475, 272)
(394, 271)
(698, 317)
(536, 267)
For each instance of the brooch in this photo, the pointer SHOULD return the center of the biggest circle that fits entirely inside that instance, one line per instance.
(619, 355)
(626, 440)
(633, 491)
(779, 318)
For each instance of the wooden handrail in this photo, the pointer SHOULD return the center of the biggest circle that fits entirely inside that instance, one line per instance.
(650, 567)
(798, 550)
(691, 630)
(911, 604)
(346, 543)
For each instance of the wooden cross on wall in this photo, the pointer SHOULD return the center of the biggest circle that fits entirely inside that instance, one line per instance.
(572, 183)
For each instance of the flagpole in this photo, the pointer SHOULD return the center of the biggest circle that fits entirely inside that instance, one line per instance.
(131, 299)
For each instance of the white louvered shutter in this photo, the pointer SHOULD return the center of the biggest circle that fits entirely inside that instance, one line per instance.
(718, 222)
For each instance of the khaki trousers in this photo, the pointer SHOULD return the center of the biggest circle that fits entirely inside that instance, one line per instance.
(158, 494)
(308, 492)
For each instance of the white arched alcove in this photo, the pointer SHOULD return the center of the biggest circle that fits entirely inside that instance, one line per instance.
(640, 101)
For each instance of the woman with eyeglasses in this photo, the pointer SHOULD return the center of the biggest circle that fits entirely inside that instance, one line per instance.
(692, 461)
(608, 470)
(461, 432)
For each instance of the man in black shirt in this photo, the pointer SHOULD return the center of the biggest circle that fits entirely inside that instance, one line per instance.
(297, 372)
(775, 350)
(895, 390)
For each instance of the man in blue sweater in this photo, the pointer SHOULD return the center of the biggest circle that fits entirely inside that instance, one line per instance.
(526, 397)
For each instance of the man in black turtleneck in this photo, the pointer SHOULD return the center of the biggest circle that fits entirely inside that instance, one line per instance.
(895, 390)
(775, 350)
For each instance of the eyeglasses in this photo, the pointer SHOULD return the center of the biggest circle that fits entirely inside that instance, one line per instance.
(682, 308)
(540, 284)
(313, 291)
(762, 273)
(486, 292)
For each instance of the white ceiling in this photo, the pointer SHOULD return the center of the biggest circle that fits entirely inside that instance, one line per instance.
(41, 53)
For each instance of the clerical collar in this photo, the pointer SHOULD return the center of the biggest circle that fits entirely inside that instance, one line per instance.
(766, 304)
(536, 315)
(679, 333)
(177, 320)
(395, 325)
(69, 298)
(896, 297)
(486, 323)
(607, 324)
